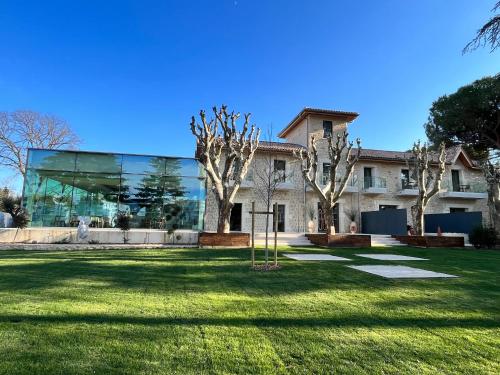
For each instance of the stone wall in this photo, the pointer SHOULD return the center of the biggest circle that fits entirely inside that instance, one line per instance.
(340, 240)
(226, 239)
(432, 241)
(101, 236)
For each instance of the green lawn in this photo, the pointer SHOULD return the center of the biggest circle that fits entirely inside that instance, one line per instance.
(193, 311)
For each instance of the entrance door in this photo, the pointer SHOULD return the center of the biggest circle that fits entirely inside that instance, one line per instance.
(321, 218)
(235, 220)
(281, 218)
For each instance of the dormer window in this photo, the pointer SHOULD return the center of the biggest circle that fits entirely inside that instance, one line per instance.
(327, 129)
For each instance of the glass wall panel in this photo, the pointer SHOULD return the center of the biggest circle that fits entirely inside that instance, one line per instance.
(48, 195)
(141, 197)
(184, 167)
(143, 164)
(96, 197)
(98, 163)
(51, 160)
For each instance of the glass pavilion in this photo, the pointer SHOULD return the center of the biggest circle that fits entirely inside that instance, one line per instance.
(157, 192)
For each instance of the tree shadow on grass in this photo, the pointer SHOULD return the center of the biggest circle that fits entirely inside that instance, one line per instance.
(352, 321)
(223, 271)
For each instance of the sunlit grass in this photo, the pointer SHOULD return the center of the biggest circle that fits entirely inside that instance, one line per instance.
(204, 311)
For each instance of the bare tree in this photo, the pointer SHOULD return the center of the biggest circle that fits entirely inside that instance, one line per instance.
(21, 130)
(226, 154)
(267, 178)
(428, 181)
(488, 34)
(339, 152)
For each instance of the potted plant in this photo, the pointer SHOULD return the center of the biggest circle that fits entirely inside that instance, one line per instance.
(310, 223)
(352, 215)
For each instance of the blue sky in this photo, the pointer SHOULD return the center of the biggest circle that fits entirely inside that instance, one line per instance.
(128, 75)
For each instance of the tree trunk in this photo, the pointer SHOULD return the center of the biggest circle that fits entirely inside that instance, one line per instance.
(494, 205)
(418, 219)
(328, 217)
(224, 217)
(266, 250)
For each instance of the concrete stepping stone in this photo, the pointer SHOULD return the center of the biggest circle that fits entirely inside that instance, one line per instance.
(315, 257)
(388, 257)
(401, 272)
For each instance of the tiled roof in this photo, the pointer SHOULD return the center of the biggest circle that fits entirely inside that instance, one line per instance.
(402, 156)
(348, 116)
(278, 146)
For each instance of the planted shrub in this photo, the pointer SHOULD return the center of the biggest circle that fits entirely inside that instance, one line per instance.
(12, 205)
(123, 222)
(481, 237)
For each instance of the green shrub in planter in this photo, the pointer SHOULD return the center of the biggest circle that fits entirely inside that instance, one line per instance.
(482, 237)
(123, 222)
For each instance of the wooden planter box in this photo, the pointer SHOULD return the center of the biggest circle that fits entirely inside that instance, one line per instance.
(431, 241)
(340, 240)
(224, 239)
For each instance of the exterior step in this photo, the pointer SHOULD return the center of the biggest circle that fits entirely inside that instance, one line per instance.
(284, 238)
(384, 240)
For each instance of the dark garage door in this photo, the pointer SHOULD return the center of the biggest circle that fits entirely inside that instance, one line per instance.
(454, 222)
(390, 221)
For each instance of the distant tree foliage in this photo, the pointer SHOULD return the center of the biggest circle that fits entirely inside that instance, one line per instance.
(470, 116)
(21, 130)
(489, 34)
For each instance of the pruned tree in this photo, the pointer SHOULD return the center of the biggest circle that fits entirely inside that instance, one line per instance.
(21, 130)
(340, 154)
(427, 179)
(226, 154)
(488, 34)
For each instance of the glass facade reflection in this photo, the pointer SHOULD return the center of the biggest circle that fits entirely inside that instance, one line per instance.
(157, 192)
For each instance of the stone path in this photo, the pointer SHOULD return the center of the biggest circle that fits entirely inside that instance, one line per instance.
(388, 257)
(315, 257)
(401, 272)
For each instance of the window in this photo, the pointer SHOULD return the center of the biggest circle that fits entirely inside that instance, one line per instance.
(457, 209)
(279, 170)
(455, 180)
(249, 176)
(368, 180)
(326, 173)
(236, 169)
(405, 179)
(327, 129)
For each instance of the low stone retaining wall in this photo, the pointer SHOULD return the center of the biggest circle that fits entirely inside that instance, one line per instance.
(97, 236)
(224, 239)
(432, 241)
(80, 247)
(340, 240)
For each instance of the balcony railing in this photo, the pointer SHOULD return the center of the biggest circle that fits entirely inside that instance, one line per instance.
(374, 182)
(408, 185)
(352, 182)
(475, 187)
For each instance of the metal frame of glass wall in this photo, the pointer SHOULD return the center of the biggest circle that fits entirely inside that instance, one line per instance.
(157, 192)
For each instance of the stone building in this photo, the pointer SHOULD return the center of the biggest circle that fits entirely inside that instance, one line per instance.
(380, 180)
